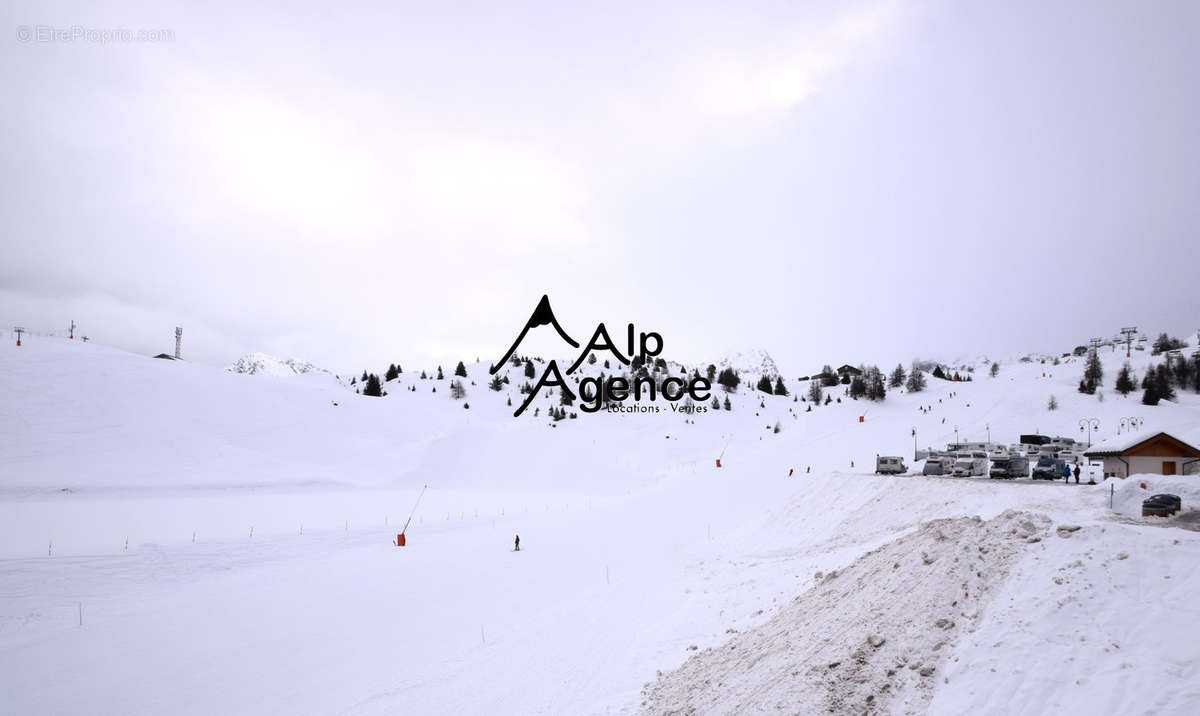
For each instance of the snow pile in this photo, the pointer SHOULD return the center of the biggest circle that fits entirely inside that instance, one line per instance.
(1128, 493)
(751, 365)
(263, 364)
(871, 638)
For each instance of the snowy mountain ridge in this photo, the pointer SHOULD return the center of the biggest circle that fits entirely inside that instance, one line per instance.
(750, 364)
(263, 364)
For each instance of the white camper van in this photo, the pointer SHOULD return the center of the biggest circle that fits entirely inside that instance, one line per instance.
(971, 464)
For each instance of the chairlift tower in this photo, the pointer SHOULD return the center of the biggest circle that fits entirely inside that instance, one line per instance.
(178, 341)
(72, 334)
(1129, 333)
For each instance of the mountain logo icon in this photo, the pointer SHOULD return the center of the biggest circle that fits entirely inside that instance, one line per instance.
(543, 315)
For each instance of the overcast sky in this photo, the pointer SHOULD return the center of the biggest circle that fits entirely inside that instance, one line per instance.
(356, 184)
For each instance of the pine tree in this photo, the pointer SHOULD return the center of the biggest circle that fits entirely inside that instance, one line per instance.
(764, 384)
(372, 388)
(1162, 383)
(1150, 395)
(1125, 384)
(815, 393)
(995, 369)
(439, 375)
(780, 388)
(496, 384)
(716, 404)
(938, 373)
(457, 391)
(364, 377)
(828, 377)
(858, 387)
(729, 380)
(728, 405)
(391, 373)
(711, 372)
(897, 377)
(1093, 374)
(564, 396)
(460, 370)
(529, 373)
(424, 376)
(915, 382)
(875, 387)
(1052, 404)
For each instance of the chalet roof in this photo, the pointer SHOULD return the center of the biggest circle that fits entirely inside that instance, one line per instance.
(1129, 443)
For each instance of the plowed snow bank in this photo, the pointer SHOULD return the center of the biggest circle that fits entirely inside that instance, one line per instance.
(869, 639)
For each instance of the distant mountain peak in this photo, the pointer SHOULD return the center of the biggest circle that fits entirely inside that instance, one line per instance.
(263, 364)
(752, 363)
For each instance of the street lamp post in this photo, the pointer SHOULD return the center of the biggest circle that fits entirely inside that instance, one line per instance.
(1091, 424)
(988, 427)
(956, 435)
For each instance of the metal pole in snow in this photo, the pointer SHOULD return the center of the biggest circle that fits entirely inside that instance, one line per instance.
(414, 511)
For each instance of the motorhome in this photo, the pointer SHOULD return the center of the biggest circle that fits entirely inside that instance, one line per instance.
(971, 464)
(890, 465)
(938, 465)
(1047, 468)
(1010, 467)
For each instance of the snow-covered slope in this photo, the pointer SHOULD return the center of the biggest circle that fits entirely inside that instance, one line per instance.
(229, 538)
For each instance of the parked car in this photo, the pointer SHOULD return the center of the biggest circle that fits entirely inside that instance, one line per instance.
(890, 465)
(974, 464)
(1009, 468)
(1048, 468)
(1161, 505)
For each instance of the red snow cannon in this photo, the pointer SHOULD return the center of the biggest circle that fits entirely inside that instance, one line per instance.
(400, 539)
(718, 462)
(862, 418)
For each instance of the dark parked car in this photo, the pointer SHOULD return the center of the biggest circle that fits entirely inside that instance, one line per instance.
(1161, 505)
(1048, 468)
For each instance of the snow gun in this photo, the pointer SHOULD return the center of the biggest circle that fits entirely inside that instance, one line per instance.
(400, 541)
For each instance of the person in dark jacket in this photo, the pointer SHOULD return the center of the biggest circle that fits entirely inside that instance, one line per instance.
(1076, 473)
(517, 544)
(1066, 473)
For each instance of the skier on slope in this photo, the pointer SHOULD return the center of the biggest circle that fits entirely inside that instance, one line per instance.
(517, 544)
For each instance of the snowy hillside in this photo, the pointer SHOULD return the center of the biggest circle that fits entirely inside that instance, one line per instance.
(229, 540)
